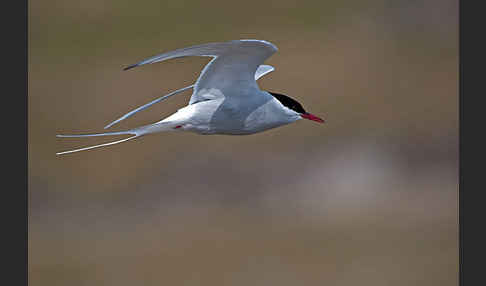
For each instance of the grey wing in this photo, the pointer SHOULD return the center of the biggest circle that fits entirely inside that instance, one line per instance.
(233, 66)
(232, 73)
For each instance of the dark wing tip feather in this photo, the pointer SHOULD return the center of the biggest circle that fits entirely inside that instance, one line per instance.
(130, 67)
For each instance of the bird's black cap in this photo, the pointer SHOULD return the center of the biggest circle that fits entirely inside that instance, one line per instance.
(289, 102)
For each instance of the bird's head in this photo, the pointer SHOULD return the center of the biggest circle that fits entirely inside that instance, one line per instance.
(295, 106)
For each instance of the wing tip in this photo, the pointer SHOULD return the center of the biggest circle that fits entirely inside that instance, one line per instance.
(111, 124)
(130, 67)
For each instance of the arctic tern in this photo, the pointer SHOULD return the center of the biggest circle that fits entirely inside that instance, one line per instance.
(226, 98)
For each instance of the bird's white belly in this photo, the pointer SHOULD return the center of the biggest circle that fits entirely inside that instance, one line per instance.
(195, 117)
(218, 116)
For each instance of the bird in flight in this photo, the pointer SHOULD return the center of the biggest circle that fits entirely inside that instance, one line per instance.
(226, 98)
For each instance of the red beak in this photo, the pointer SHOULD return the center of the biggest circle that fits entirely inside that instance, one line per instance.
(312, 117)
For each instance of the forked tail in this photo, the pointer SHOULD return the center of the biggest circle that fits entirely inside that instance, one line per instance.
(136, 132)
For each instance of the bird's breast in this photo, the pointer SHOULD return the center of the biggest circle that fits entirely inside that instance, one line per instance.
(234, 116)
(267, 116)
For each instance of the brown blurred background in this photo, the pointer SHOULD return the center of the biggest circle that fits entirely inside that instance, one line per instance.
(368, 198)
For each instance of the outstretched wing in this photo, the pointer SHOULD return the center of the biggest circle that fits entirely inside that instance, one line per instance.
(232, 68)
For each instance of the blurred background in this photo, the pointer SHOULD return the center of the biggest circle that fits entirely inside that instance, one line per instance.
(369, 197)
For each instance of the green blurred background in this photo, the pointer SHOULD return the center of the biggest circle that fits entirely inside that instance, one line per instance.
(368, 198)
